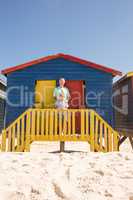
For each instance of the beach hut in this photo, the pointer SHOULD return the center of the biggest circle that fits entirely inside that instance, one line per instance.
(2, 102)
(123, 108)
(90, 85)
(30, 108)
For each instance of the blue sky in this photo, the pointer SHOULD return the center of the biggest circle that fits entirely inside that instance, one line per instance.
(97, 30)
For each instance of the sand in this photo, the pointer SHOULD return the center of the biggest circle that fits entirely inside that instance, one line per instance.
(79, 175)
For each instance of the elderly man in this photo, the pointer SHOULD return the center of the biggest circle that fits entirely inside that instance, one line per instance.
(62, 96)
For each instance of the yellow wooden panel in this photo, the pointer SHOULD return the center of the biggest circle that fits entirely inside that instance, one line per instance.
(65, 114)
(27, 147)
(96, 131)
(110, 140)
(69, 122)
(9, 140)
(44, 93)
(87, 122)
(42, 122)
(55, 124)
(101, 136)
(105, 139)
(92, 131)
(13, 138)
(33, 131)
(4, 140)
(22, 132)
(38, 123)
(115, 141)
(18, 136)
(47, 123)
(73, 123)
(60, 122)
(51, 125)
(82, 124)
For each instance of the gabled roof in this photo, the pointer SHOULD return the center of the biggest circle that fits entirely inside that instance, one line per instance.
(65, 56)
(129, 74)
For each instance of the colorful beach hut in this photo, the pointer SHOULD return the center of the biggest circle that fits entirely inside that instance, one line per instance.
(90, 86)
(123, 108)
(92, 82)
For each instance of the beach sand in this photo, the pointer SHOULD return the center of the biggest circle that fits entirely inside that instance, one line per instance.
(77, 174)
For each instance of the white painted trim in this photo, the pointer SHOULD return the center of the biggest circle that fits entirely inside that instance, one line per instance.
(2, 94)
(3, 82)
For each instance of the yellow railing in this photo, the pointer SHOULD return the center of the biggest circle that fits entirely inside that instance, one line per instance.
(59, 125)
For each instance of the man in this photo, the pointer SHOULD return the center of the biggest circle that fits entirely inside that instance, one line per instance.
(62, 96)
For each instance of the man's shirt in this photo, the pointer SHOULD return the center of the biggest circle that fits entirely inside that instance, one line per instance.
(61, 91)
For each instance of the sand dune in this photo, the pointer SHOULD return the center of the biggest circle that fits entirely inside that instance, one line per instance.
(39, 175)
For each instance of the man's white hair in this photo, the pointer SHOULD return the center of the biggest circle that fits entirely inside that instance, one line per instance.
(61, 79)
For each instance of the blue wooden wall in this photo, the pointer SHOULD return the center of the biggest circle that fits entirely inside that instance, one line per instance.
(97, 83)
(2, 113)
(2, 104)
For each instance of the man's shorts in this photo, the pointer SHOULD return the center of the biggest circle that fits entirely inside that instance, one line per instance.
(64, 113)
(61, 105)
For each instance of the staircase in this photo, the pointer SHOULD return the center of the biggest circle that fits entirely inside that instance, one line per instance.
(59, 125)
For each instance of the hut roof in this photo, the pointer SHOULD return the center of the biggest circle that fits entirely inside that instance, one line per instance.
(126, 76)
(64, 56)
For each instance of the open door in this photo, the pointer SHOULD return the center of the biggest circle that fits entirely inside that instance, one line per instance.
(44, 93)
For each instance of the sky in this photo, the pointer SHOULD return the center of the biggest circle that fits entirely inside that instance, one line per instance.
(96, 30)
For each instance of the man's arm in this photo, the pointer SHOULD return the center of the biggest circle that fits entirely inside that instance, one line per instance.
(55, 93)
(68, 94)
(56, 96)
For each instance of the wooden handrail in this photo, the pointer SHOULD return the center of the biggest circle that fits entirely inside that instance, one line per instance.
(59, 125)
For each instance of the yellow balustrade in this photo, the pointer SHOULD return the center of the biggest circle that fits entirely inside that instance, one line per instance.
(59, 125)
